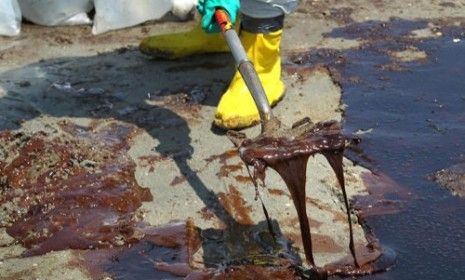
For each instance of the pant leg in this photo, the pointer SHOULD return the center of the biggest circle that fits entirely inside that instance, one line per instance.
(267, 8)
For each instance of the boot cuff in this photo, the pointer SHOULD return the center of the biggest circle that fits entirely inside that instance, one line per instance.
(261, 25)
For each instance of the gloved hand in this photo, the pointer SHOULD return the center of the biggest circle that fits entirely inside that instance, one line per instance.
(207, 10)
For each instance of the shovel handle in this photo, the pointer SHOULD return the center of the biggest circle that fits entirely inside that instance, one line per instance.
(245, 66)
(223, 20)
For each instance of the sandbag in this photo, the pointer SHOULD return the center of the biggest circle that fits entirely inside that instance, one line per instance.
(10, 18)
(116, 14)
(56, 12)
(182, 8)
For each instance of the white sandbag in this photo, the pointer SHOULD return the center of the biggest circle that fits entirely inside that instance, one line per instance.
(182, 8)
(56, 12)
(115, 14)
(10, 18)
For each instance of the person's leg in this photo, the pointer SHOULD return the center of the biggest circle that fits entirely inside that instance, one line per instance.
(261, 29)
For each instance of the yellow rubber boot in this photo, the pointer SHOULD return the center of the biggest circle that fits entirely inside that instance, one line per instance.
(177, 45)
(236, 108)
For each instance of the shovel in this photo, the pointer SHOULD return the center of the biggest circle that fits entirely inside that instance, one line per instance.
(247, 71)
(281, 147)
(270, 125)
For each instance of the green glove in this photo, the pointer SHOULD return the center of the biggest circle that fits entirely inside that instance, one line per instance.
(207, 10)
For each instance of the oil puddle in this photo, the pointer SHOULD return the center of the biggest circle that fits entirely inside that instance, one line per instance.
(411, 113)
(385, 196)
(70, 190)
(172, 252)
(162, 253)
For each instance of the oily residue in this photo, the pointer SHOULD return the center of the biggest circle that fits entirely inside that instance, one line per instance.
(243, 179)
(223, 157)
(153, 159)
(239, 245)
(367, 265)
(294, 221)
(236, 206)
(178, 180)
(191, 67)
(250, 272)
(322, 243)
(377, 38)
(452, 178)
(169, 252)
(289, 156)
(164, 252)
(315, 202)
(206, 213)
(340, 15)
(186, 99)
(226, 168)
(72, 190)
(385, 196)
(276, 192)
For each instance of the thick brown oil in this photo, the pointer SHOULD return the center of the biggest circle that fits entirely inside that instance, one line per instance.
(74, 190)
(289, 157)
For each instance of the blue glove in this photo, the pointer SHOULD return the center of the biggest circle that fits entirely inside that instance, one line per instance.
(207, 10)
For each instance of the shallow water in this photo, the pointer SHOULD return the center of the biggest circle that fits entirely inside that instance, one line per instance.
(418, 121)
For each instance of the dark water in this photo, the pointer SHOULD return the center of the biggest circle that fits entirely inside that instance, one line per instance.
(418, 121)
